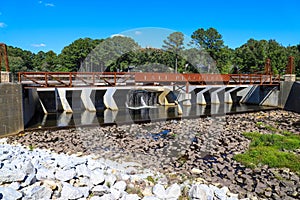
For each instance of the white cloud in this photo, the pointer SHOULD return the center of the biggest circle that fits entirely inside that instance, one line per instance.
(49, 5)
(116, 35)
(40, 2)
(2, 25)
(38, 45)
(137, 32)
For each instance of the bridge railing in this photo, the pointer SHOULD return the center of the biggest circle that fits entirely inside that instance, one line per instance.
(97, 79)
(75, 79)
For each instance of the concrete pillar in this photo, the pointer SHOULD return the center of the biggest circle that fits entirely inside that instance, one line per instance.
(215, 95)
(108, 99)
(86, 99)
(228, 94)
(179, 109)
(62, 96)
(200, 96)
(185, 98)
(43, 107)
(162, 98)
(245, 93)
(290, 77)
(272, 98)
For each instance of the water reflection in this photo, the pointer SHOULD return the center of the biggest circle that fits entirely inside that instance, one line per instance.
(125, 115)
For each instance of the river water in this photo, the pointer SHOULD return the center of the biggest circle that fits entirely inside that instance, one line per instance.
(127, 116)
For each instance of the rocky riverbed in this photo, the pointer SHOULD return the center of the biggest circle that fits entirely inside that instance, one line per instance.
(186, 152)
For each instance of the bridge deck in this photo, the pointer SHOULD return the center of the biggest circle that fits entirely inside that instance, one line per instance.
(100, 79)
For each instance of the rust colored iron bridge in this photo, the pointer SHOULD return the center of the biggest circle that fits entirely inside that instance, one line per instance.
(171, 89)
(112, 79)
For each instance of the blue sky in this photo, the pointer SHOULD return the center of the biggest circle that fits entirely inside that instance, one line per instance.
(52, 24)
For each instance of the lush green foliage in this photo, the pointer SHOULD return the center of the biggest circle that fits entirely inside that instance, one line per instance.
(206, 54)
(274, 150)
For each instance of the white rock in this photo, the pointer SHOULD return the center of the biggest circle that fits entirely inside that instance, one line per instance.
(97, 177)
(30, 179)
(15, 185)
(150, 198)
(82, 170)
(95, 198)
(221, 193)
(115, 193)
(196, 171)
(43, 173)
(120, 186)
(10, 193)
(9, 176)
(85, 191)
(100, 190)
(110, 180)
(70, 192)
(130, 197)
(39, 192)
(28, 168)
(173, 191)
(94, 164)
(65, 175)
(196, 192)
(159, 191)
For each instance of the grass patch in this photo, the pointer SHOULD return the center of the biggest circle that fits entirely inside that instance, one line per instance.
(273, 150)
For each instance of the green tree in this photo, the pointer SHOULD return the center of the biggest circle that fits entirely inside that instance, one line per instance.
(210, 40)
(106, 54)
(73, 55)
(174, 44)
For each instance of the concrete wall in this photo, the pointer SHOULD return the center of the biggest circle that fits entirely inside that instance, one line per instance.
(261, 95)
(30, 104)
(11, 110)
(290, 100)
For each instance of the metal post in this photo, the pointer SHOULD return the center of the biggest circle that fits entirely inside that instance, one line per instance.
(290, 66)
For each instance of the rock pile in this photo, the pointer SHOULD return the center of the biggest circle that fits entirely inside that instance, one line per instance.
(198, 149)
(40, 174)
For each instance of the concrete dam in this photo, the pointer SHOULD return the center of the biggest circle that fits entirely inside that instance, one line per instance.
(68, 93)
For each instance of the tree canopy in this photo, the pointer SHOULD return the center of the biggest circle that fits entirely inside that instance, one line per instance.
(209, 54)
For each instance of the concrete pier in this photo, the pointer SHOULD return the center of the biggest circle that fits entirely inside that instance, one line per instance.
(11, 107)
